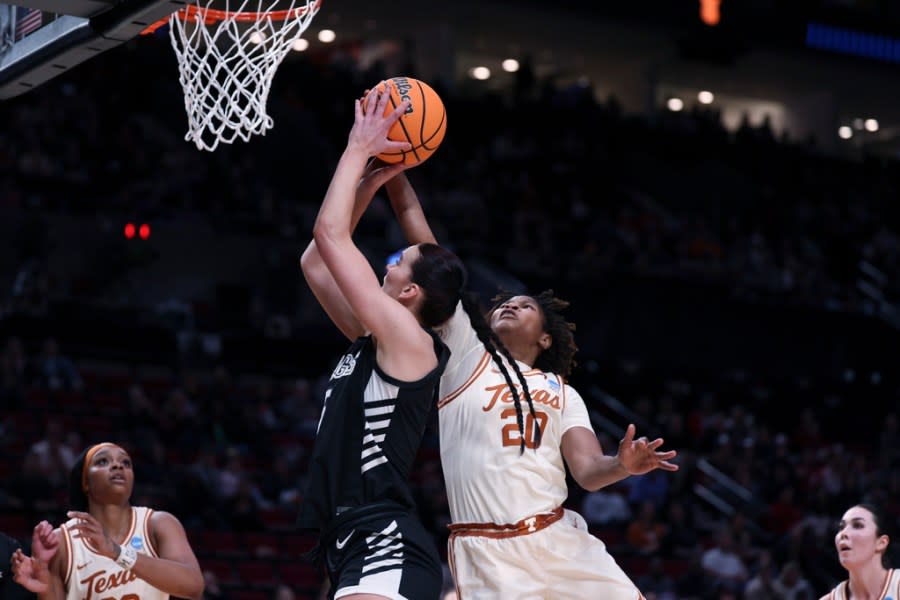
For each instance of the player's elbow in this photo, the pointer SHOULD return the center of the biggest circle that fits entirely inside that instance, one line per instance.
(196, 587)
(310, 259)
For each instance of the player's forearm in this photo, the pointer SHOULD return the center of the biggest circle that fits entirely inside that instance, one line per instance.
(311, 259)
(169, 576)
(336, 216)
(409, 211)
(598, 472)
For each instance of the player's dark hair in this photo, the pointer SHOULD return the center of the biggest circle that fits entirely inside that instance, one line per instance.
(78, 499)
(559, 358)
(494, 346)
(441, 275)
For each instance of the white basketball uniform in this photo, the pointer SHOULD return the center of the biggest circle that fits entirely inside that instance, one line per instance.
(91, 576)
(891, 590)
(510, 537)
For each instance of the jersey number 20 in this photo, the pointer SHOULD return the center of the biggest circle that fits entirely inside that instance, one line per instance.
(511, 436)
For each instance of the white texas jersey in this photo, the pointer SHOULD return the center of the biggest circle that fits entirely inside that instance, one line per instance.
(487, 479)
(91, 576)
(891, 590)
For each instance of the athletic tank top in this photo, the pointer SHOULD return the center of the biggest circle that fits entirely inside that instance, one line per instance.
(91, 576)
(369, 433)
(488, 478)
(891, 590)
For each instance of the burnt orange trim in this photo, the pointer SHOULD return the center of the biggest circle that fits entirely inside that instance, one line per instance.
(495, 531)
(71, 558)
(479, 369)
(148, 539)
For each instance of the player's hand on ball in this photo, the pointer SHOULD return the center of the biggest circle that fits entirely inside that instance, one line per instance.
(371, 125)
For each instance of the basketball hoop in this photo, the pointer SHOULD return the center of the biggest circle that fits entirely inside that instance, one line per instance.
(227, 60)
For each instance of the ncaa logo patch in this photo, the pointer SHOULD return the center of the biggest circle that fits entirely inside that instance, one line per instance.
(137, 542)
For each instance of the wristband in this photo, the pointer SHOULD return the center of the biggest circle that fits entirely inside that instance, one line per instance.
(127, 557)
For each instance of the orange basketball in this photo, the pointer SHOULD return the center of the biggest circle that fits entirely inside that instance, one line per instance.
(423, 124)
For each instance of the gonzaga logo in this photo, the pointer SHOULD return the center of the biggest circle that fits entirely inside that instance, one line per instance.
(345, 367)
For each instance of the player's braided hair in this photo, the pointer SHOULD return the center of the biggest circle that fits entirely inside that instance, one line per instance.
(493, 345)
(559, 358)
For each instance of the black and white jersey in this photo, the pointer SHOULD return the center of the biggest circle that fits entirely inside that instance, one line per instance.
(368, 435)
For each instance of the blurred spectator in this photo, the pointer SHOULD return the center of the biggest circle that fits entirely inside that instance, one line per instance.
(682, 539)
(213, 589)
(14, 370)
(791, 585)
(52, 457)
(283, 592)
(55, 370)
(722, 565)
(646, 534)
(605, 507)
(762, 586)
(655, 583)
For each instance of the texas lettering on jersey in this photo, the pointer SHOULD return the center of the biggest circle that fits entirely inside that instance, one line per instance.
(99, 582)
(503, 394)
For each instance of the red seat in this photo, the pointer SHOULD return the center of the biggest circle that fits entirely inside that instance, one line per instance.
(221, 567)
(248, 594)
(276, 518)
(219, 542)
(299, 575)
(257, 572)
(262, 544)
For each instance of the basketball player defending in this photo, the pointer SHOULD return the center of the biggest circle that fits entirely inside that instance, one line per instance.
(382, 390)
(108, 547)
(505, 443)
(862, 549)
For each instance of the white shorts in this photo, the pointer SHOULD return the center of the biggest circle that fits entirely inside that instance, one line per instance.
(562, 560)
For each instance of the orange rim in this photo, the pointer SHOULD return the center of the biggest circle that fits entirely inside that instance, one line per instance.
(211, 15)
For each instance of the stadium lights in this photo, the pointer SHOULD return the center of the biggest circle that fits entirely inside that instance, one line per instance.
(480, 73)
(844, 132)
(510, 65)
(871, 125)
(675, 104)
(300, 44)
(326, 36)
(705, 97)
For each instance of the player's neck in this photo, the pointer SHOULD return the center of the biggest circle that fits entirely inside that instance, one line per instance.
(116, 518)
(523, 355)
(867, 582)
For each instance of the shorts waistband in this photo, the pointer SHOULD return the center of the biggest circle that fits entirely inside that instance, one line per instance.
(524, 527)
(360, 514)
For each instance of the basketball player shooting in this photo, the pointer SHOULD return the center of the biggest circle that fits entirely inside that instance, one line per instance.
(383, 388)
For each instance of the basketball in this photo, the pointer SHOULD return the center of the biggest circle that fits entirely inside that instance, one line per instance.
(423, 124)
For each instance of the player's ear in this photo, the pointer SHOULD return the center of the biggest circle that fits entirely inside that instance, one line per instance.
(545, 341)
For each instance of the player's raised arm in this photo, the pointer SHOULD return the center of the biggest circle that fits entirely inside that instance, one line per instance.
(316, 273)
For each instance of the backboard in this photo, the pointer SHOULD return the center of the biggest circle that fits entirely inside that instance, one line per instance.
(41, 39)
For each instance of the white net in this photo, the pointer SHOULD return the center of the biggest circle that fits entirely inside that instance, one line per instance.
(227, 60)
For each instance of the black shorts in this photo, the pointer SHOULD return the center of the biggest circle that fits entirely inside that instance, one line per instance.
(392, 556)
